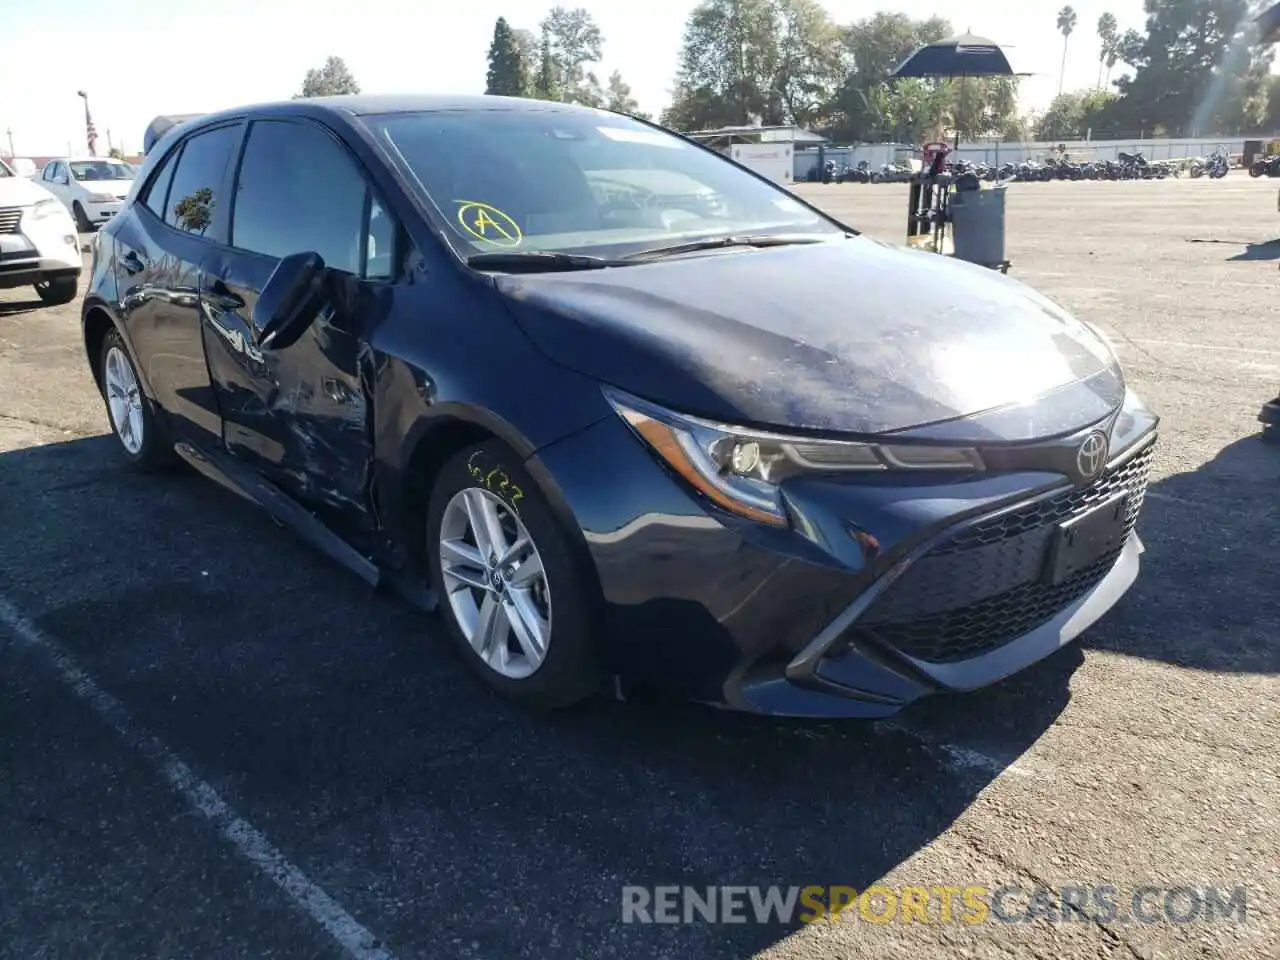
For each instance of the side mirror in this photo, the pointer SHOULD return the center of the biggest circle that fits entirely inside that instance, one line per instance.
(64, 179)
(291, 299)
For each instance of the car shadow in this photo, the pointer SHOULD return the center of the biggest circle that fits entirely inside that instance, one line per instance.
(12, 308)
(1269, 250)
(1266, 250)
(1207, 596)
(345, 728)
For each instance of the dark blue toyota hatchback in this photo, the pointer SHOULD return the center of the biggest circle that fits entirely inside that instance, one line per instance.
(625, 413)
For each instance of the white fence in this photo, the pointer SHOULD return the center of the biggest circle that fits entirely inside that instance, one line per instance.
(994, 152)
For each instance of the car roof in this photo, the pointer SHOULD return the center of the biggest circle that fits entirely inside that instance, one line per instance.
(356, 105)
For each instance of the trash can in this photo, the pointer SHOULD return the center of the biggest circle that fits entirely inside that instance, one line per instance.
(977, 225)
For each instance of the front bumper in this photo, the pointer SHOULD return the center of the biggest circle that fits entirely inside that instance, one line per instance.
(886, 591)
(39, 250)
(100, 211)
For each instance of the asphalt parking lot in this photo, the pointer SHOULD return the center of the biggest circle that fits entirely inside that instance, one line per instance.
(215, 744)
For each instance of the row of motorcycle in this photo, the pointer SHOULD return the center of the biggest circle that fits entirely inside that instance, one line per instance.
(1126, 166)
(1265, 166)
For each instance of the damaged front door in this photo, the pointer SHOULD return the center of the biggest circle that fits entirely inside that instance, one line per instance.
(299, 414)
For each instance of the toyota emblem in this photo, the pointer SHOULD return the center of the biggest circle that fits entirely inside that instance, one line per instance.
(1092, 454)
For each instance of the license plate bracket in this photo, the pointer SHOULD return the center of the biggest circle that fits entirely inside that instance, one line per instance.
(1081, 541)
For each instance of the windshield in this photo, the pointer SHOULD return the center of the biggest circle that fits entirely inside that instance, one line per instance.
(100, 170)
(579, 182)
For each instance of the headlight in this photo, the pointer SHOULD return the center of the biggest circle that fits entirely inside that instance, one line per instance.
(102, 198)
(740, 470)
(1134, 422)
(48, 208)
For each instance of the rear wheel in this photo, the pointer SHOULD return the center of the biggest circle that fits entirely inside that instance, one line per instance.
(57, 290)
(133, 418)
(511, 593)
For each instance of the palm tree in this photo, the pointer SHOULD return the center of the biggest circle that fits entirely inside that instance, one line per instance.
(1066, 23)
(1113, 57)
(1107, 28)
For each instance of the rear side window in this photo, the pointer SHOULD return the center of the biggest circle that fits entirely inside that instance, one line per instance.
(198, 179)
(153, 200)
(298, 191)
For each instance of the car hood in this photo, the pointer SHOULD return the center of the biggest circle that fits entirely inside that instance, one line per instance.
(849, 336)
(21, 192)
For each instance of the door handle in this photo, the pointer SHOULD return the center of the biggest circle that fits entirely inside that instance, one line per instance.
(222, 297)
(132, 263)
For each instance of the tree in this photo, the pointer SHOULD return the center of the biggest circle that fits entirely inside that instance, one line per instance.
(1067, 20)
(1107, 36)
(869, 106)
(810, 61)
(727, 61)
(530, 52)
(1271, 119)
(115, 153)
(574, 43)
(330, 80)
(1195, 71)
(1072, 115)
(780, 61)
(546, 85)
(618, 97)
(1112, 55)
(508, 76)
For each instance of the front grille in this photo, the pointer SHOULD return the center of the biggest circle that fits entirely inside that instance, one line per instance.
(10, 217)
(982, 587)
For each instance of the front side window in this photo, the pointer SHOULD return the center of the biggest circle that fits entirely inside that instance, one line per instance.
(299, 192)
(50, 172)
(198, 179)
(579, 182)
(91, 170)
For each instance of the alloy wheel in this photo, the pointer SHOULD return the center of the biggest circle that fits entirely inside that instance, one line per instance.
(124, 400)
(495, 583)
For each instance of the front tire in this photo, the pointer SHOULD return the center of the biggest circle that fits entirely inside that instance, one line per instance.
(512, 595)
(57, 290)
(138, 430)
(83, 223)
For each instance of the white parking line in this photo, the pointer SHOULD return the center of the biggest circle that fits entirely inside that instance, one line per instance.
(1215, 347)
(357, 941)
(960, 758)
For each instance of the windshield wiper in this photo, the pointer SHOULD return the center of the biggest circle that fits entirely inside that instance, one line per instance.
(533, 261)
(716, 243)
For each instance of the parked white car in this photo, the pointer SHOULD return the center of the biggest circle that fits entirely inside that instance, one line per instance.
(92, 188)
(38, 241)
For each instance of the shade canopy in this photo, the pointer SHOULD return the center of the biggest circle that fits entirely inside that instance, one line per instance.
(162, 125)
(963, 55)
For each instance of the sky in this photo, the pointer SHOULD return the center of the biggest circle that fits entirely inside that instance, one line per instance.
(137, 59)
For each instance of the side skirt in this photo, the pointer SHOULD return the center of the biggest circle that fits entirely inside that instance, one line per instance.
(249, 485)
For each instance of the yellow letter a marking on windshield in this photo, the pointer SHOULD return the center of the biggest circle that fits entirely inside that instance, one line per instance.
(488, 223)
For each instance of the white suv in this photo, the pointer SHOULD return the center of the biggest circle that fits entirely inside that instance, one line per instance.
(38, 242)
(93, 188)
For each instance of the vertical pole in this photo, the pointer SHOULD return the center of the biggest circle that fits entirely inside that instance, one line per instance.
(9, 133)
